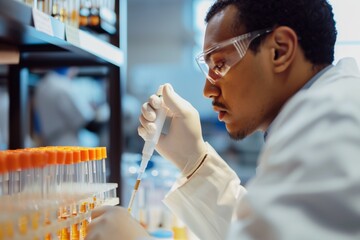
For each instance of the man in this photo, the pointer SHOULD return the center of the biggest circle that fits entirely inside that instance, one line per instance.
(268, 65)
(63, 112)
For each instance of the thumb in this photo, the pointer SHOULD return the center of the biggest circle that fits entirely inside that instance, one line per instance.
(173, 101)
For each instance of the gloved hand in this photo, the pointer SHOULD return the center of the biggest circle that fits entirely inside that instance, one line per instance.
(114, 223)
(183, 144)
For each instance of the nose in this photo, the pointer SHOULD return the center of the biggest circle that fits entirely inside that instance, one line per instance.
(211, 90)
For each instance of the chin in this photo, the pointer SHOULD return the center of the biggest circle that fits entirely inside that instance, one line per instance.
(237, 134)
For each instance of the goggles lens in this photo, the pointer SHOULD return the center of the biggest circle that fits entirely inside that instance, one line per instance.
(217, 61)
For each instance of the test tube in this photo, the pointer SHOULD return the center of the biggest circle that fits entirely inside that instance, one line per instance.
(3, 173)
(98, 165)
(77, 166)
(104, 157)
(69, 170)
(84, 153)
(51, 164)
(39, 162)
(75, 233)
(60, 160)
(77, 178)
(13, 166)
(91, 165)
(27, 172)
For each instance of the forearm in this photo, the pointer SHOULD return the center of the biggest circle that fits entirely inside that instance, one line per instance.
(206, 201)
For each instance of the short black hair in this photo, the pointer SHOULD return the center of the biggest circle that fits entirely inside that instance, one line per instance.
(312, 20)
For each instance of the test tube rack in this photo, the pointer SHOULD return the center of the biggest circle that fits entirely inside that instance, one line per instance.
(49, 193)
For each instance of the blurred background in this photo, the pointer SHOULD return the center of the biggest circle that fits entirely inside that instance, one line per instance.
(162, 38)
(159, 39)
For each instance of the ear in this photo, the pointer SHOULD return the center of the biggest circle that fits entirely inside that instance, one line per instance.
(285, 42)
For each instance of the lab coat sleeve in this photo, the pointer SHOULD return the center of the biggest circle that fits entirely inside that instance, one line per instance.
(206, 201)
(307, 183)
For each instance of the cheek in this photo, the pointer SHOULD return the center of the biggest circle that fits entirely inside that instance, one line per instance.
(246, 92)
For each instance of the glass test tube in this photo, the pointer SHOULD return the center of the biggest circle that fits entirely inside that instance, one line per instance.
(13, 166)
(104, 154)
(98, 165)
(39, 162)
(60, 160)
(27, 172)
(91, 165)
(84, 153)
(3, 174)
(51, 165)
(75, 231)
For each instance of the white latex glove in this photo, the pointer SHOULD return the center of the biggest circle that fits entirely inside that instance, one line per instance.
(183, 144)
(114, 223)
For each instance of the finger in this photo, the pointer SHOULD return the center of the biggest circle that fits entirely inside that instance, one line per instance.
(173, 101)
(92, 225)
(149, 127)
(155, 101)
(144, 134)
(99, 211)
(148, 112)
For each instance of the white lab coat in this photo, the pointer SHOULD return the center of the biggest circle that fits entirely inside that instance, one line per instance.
(61, 110)
(307, 184)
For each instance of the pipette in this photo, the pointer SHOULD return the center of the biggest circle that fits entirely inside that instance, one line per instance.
(149, 146)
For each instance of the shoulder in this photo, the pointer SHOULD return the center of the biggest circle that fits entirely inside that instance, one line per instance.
(334, 94)
(324, 118)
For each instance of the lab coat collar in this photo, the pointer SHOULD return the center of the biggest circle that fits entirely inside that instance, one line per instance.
(305, 87)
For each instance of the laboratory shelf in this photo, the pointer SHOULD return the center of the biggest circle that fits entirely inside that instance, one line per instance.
(34, 47)
(17, 28)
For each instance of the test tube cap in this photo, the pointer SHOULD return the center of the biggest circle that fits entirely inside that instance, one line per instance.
(13, 161)
(84, 152)
(3, 167)
(38, 159)
(69, 157)
(98, 153)
(51, 157)
(25, 160)
(76, 156)
(104, 152)
(60, 156)
(92, 153)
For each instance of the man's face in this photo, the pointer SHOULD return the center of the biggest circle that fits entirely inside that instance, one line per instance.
(245, 96)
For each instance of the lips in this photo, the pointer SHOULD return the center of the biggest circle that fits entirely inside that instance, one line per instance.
(221, 112)
(221, 115)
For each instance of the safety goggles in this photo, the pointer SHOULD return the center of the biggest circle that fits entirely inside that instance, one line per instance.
(216, 62)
